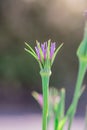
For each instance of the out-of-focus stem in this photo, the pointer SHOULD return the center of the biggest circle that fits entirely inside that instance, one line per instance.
(72, 109)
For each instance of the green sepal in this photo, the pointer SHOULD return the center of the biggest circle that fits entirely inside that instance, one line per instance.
(47, 61)
(53, 58)
(33, 53)
(35, 56)
(30, 48)
(48, 49)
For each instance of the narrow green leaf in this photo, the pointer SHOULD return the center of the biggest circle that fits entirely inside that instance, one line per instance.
(56, 53)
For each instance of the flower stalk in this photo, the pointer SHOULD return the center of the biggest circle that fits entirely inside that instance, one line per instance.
(45, 54)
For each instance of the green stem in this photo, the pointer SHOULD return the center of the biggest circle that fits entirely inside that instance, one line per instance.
(77, 94)
(45, 87)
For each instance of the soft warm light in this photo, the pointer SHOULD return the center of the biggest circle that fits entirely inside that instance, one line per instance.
(75, 5)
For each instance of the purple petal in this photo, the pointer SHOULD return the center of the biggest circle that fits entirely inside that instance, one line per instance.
(37, 52)
(52, 49)
(44, 49)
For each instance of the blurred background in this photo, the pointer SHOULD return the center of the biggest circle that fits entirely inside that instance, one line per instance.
(28, 20)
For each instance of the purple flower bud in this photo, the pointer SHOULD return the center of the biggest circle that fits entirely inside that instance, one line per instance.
(38, 97)
(44, 48)
(37, 51)
(52, 49)
(44, 53)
